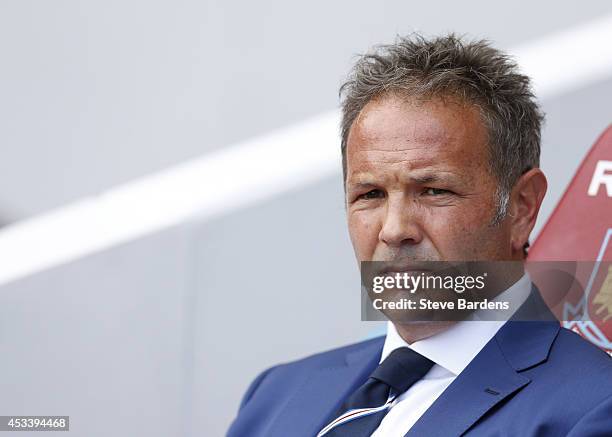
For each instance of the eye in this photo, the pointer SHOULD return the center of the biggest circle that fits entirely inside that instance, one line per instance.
(372, 194)
(436, 191)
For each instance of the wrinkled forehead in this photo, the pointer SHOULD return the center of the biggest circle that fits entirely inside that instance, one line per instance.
(396, 132)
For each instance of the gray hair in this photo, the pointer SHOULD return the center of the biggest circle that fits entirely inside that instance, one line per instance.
(471, 71)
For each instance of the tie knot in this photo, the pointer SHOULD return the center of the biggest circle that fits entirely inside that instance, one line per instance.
(402, 368)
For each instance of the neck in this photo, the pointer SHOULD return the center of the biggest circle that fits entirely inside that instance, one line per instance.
(414, 331)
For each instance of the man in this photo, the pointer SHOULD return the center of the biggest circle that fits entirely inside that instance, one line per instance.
(440, 147)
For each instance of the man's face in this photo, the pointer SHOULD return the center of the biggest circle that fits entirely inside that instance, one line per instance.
(419, 185)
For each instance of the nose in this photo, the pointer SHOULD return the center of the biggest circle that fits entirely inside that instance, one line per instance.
(401, 224)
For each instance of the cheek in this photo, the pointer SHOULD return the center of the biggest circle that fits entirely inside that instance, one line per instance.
(364, 229)
(457, 233)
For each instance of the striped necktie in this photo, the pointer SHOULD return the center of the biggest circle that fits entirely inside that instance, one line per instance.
(363, 411)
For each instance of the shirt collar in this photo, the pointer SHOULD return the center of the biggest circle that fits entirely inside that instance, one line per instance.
(472, 334)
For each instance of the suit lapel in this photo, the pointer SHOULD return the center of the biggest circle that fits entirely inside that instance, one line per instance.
(321, 394)
(486, 381)
(494, 374)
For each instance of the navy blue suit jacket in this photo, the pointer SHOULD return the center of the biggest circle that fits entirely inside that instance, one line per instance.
(532, 379)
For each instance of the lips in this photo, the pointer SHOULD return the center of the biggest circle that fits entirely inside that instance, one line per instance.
(411, 268)
(402, 272)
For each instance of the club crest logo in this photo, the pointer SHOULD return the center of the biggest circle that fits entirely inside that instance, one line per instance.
(591, 316)
(602, 301)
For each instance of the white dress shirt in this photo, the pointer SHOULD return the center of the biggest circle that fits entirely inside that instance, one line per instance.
(451, 351)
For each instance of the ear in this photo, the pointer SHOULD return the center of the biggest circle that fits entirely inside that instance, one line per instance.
(527, 196)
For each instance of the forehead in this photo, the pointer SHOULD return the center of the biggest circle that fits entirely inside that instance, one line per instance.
(394, 131)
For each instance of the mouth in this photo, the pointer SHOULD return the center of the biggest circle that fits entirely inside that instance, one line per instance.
(389, 269)
(403, 273)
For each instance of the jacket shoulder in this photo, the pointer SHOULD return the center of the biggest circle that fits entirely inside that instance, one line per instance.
(335, 356)
(292, 372)
(580, 351)
(578, 362)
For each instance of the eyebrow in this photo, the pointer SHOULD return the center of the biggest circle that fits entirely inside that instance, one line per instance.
(427, 179)
(367, 181)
